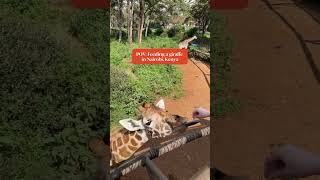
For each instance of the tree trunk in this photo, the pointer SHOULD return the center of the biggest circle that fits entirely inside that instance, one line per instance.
(204, 24)
(147, 27)
(141, 21)
(130, 20)
(120, 20)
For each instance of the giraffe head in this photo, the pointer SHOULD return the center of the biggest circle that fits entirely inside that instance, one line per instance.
(155, 122)
(158, 121)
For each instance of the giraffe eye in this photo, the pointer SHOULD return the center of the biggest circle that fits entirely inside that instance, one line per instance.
(148, 123)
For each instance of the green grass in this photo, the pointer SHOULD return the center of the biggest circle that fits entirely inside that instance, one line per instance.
(132, 85)
(221, 55)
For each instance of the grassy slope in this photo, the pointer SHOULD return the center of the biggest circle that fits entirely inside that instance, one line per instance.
(132, 85)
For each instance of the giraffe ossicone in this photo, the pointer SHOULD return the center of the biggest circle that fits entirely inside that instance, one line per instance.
(161, 104)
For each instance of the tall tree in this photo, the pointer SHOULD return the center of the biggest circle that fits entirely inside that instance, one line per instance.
(120, 19)
(200, 12)
(141, 20)
(147, 26)
(130, 20)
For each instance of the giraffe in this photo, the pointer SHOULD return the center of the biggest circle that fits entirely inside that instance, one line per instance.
(184, 44)
(156, 122)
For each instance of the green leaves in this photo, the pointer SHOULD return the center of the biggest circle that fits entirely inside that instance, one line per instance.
(53, 96)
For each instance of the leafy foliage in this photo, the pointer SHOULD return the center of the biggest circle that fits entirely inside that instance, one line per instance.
(159, 31)
(53, 96)
(200, 12)
(191, 32)
(176, 31)
(91, 27)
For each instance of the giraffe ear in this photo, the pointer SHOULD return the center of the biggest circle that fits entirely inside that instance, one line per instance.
(131, 124)
(160, 104)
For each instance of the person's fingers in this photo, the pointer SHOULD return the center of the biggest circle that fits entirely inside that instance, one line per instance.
(195, 114)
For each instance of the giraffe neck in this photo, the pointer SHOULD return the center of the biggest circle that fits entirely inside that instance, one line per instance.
(193, 38)
(125, 144)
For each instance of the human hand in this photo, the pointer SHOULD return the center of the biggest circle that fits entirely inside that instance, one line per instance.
(288, 161)
(200, 113)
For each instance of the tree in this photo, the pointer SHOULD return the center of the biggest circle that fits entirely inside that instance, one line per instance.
(200, 12)
(120, 20)
(130, 20)
(141, 20)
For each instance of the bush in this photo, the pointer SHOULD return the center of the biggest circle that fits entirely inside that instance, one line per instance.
(52, 101)
(91, 27)
(30, 7)
(159, 31)
(124, 97)
(191, 32)
(174, 31)
(34, 9)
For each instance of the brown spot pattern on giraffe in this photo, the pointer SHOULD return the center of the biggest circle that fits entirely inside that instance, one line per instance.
(133, 142)
(126, 138)
(138, 137)
(124, 152)
(119, 142)
(132, 148)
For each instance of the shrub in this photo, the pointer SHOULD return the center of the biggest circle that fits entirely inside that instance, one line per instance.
(30, 7)
(174, 31)
(191, 32)
(34, 9)
(91, 27)
(52, 101)
(124, 97)
(159, 31)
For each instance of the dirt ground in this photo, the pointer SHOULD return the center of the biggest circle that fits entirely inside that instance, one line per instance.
(275, 73)
(187, 160)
